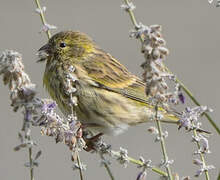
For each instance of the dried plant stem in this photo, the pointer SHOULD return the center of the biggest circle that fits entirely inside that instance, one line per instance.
(42, 17)
(162, 142)
(107, 167)
(31, 162)
(27, 130)
(80, 166)
(133, 19)
(186, 90)
(140, 163)
(201, 156)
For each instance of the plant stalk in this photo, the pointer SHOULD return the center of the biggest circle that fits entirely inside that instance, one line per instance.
(140, 163)
(163, 146)
(80, 166)
(201, 155)
(42, 17)
(107, 167)
(185, 89)
(31, 162)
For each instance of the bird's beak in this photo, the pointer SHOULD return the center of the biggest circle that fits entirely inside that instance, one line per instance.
(46, 47)
(43, 52)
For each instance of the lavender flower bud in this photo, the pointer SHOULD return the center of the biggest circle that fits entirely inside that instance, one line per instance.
(181, 97)
(142, 175)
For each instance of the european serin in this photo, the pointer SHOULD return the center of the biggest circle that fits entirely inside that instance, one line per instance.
(110, 98)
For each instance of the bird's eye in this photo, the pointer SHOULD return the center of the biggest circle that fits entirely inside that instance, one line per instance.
(62, 44)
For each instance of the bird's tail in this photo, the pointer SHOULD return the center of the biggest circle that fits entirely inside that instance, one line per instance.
(170, 118)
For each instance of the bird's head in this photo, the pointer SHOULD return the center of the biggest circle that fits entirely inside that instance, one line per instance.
(65, 45)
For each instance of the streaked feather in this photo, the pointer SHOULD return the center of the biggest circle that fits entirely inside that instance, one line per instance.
(109, 95)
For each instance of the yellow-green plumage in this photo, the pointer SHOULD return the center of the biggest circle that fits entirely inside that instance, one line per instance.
(109, 96)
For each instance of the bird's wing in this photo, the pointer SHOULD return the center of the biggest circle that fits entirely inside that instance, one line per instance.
(113, 76)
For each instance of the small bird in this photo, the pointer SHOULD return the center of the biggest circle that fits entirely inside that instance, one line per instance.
(110, 98)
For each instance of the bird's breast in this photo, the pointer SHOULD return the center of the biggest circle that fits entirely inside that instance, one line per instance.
(108, 112)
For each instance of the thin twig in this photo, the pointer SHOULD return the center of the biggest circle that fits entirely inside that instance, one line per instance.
(162, 142)
(77, 152)
(107, 167)
(31, 162)
(186, 90)
(49, 36)
(201, 155)
(27, 130)
(140, 163)
(42, 17)
(80, 165)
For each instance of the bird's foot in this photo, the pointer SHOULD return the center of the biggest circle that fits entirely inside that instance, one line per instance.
(90, 142)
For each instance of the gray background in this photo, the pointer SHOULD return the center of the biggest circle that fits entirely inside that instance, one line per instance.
(191, 29)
